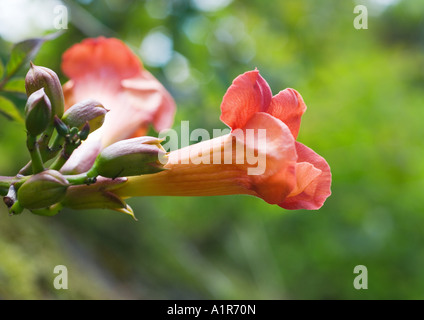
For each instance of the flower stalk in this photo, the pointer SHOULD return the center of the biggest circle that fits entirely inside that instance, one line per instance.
(5, 183)
(82, 178)
(34, 152)
(47, 152)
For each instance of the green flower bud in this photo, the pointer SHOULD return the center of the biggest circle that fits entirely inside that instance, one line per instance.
(73, 131)
(85, 111)
(61, 128)
(42, 190)
(131, 157)
(41, 77)
(37, 112)
(85, 131)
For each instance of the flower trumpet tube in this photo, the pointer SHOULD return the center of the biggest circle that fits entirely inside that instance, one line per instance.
(257, 160)
(105, 70)
(283, 171)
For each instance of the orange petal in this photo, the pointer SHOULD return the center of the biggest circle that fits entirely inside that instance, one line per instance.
(313, 181)
(100, 58)
(248, 94)
(278, 180)
(288, 106)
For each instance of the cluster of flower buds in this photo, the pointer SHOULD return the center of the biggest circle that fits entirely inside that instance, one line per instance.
(43, 78)
(52, 136)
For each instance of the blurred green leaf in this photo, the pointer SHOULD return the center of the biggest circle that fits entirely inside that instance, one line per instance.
(9, 109)
(24, 51)
(16, 85)
(1, 69)
(21, 54)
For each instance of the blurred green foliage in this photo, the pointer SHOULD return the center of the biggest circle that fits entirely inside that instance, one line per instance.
(364, 92)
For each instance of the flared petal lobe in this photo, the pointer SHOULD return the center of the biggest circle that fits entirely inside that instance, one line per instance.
(313, 181)
(276, 156)
(248, 94)
(288, 106)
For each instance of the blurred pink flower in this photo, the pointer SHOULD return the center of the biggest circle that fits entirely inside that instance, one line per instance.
(106, 70)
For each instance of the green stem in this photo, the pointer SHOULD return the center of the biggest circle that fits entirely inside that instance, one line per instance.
(16, 208)
(27, 169)
(43, 142)
(43, 147)
(59, 162)
(67, 150)
(20, 181)
(5, 183)
(34, 151)
(78, 179)
(51, 152)
(47, 153)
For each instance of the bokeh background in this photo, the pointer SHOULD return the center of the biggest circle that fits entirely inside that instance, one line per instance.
(364, 90)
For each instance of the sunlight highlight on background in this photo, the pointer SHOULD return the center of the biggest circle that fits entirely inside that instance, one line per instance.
(210, 5)
(21, 19)
(156, 48)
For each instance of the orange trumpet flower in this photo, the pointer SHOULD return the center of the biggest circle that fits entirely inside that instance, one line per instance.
(285, 172)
